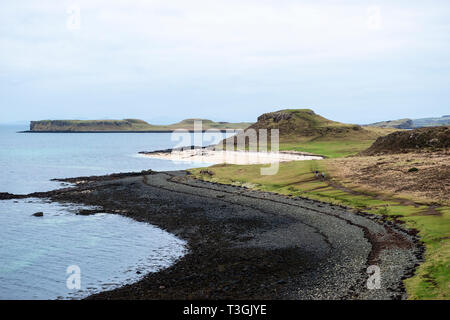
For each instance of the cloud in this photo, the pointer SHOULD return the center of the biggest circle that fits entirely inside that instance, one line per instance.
(248, 46)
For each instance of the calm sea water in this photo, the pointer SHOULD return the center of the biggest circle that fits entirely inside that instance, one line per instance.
(109, 250)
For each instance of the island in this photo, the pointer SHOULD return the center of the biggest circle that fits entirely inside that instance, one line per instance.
(128, 125)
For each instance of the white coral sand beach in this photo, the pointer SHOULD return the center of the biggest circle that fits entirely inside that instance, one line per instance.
(232, 157)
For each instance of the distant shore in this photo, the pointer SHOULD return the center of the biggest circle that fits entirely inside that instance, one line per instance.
(131, 125)
(130, 131)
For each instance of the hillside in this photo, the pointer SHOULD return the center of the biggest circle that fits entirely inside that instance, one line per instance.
(421, 139)
(413, 123)
(125, 125)
(304, 130)
(430, 122)
(399, 124)
(304, 124)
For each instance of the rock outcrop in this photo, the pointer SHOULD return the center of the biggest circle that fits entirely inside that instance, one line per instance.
(421, 139)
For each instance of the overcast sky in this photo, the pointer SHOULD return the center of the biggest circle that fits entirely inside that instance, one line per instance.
(163, 61)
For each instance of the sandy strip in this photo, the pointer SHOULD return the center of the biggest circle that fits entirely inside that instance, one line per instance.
(232, 157)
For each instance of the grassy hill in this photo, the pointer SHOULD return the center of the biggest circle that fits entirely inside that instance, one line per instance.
(304, 130)
(417, 140)
(126, 125)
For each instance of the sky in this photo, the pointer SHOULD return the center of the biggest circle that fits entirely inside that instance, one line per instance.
(164, 61)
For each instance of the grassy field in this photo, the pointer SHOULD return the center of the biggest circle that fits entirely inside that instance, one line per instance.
(329, 149)
(336, 147)
(432, 279)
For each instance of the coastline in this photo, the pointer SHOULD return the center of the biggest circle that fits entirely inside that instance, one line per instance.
(257, 246)
(129, 131)
(209, 155)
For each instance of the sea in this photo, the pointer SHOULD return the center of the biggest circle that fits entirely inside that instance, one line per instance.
(62, 255)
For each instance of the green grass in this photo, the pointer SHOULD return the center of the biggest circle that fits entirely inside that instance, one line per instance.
(329, 149)
(432, 279)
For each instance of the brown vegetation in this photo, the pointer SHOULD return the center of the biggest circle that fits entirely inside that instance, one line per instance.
(424, 176)
(417, 140)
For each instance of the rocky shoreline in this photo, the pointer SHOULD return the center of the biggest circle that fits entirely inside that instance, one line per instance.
(246, 244)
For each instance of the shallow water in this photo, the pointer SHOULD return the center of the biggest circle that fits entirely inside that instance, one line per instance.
(35, 252)
(109, 249)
